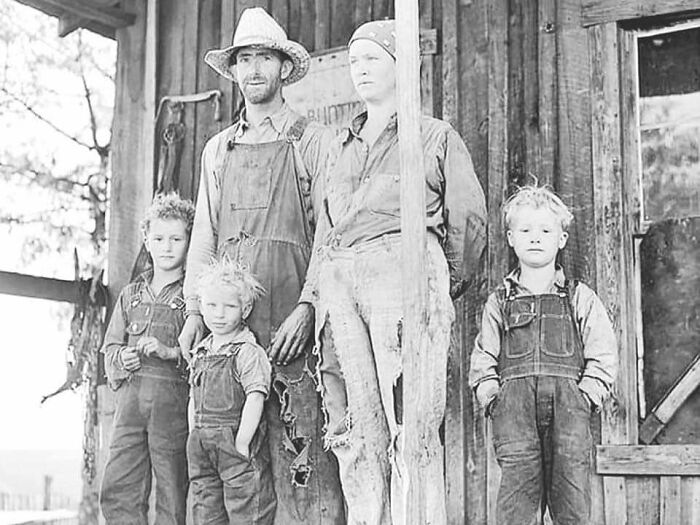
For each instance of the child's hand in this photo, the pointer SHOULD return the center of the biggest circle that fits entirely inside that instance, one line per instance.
(487, 391)
(149, 345)
(130, 359)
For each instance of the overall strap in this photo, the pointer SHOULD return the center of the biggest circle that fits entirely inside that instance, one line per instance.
(570, 289)
(296, 130)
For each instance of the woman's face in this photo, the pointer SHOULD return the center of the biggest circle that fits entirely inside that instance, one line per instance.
(373, 71)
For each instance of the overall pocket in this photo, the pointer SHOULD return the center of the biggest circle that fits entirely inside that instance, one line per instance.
(252, 186)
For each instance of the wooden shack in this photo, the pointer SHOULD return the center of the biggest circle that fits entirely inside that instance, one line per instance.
(563, 91)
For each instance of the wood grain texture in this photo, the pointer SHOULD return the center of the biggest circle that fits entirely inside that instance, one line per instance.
(603, 11)
(648, 460)
(670, 500)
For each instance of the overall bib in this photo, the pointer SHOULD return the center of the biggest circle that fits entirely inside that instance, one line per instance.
(150, 424)
(263, 223)
(227, 487)
(541, 420)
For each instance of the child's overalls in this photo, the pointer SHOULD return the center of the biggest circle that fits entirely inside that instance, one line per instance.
(541, 420)
(150, 422)
(227, 487)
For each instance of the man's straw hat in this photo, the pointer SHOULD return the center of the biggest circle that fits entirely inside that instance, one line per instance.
(256, 28)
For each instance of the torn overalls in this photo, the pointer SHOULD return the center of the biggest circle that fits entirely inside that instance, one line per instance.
(226, 486)
(541, 419)
(255, 203)
(150, 420)
(355, 274)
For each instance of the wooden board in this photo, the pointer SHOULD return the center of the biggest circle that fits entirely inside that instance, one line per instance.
(602, 11)
(648, 460)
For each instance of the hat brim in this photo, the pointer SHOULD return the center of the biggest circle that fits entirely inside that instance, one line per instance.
(220, 59)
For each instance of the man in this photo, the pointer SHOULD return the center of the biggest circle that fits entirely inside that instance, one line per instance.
(255, 205)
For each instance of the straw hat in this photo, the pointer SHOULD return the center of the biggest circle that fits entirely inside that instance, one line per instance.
(258, 29)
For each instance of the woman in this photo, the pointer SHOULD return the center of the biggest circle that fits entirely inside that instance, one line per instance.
(355, 275)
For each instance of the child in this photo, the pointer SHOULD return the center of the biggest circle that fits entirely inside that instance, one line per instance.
(545, 358)
(228, 454)
(142, 362)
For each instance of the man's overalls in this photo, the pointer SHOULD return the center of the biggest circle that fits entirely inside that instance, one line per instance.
(264, 223)
(541, 420)
(226, 486)
(150, 422)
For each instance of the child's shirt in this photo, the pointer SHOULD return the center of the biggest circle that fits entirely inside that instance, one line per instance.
(222, 378)
(592, 321)
(139, 312)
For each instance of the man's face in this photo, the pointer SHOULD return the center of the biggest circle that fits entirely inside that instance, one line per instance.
(373, 71)
(260, 72)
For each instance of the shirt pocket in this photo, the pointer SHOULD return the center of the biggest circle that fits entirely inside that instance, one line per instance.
(519, 325)
(384, 194)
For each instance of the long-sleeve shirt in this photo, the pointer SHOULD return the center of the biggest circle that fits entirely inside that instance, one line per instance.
(360, 196)
(600, 351)
(313, 149)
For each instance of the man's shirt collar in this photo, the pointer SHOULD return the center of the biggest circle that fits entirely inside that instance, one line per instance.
(277, 121)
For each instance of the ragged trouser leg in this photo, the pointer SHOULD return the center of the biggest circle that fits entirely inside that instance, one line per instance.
(359, 326)
(541, 432)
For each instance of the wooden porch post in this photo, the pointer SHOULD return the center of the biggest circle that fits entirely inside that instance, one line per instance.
(413, 245)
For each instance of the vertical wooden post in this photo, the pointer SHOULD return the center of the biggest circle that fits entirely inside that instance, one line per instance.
(413, 241)
(48, 480)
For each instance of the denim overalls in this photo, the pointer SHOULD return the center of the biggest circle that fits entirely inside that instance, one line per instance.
(150, 420)
(227, 487)
(541, 420)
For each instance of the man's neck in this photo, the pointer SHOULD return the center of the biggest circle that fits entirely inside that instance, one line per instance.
(162, 278)
(537, 280)
(219, 340)
(256, 113)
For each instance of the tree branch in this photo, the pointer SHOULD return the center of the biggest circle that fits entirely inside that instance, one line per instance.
(45, 120)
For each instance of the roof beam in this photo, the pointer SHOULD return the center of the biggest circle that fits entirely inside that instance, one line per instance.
(101, 18)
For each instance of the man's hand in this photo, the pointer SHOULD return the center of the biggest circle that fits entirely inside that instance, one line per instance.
(293, 334)
(487, 391)
(191, 334)
(149, 345)
(130, 359)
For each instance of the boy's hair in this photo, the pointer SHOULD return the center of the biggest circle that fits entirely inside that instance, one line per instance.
(226, 272)
(169, 206)
(537, 197)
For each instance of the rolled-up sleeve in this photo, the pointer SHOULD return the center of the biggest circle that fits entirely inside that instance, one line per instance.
(487, 347)
(114, 341)
(464, 213)
(204, 236)
(254, 369)
(600, 350)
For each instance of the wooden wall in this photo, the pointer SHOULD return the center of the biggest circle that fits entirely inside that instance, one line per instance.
(534, 88)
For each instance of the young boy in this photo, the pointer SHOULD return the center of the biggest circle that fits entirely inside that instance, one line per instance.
(545, 358)
(229, 458)
(142, 362)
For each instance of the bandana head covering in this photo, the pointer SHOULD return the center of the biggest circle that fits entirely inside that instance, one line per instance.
(381, 32)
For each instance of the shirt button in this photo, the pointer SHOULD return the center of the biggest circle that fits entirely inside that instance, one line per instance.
(134, 326)
(396, 178)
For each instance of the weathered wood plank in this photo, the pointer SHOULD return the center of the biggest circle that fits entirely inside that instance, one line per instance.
(574, 139)
(602, 11)
(690, 501)
(190, 59)
(448, 68)
(643, 460)
(670, 500)
(322, 35)
(229, 18)
(605, 150)
(279, 9)
(363, 11)
(642, 500)
(307, 26)
(547, 77)
(23, 285)
(109, 16)
(413, 266)
(382, 9)
(427, 60)
(516, 58)
(342, 22)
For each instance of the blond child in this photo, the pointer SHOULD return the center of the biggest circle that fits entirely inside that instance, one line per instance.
(545, 358)
(143, 364)
(229, 462)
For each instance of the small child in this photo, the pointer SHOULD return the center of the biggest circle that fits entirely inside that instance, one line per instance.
(142, 362)
(545, 358)
(229, 459)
